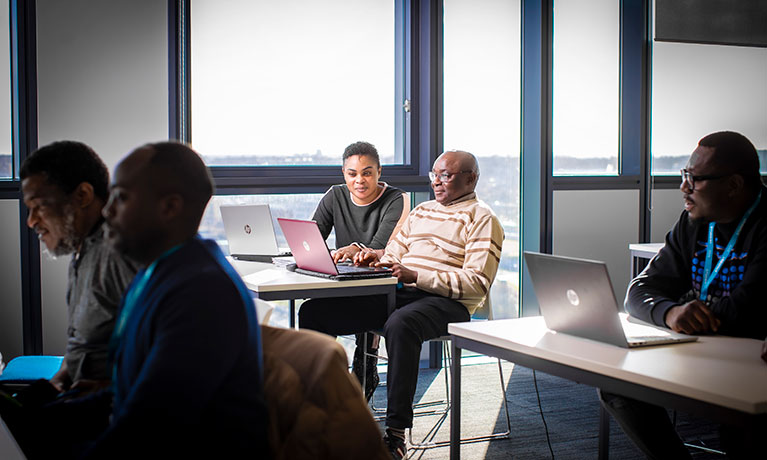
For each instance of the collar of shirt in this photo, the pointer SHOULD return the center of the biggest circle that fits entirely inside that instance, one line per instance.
(96, 234)
(467, 197)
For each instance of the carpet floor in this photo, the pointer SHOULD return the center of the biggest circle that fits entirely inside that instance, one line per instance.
(570, 416)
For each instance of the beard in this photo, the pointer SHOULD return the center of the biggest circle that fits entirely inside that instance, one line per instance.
(70, 240)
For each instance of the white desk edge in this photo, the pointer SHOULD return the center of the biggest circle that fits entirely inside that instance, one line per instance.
(265, 277)
(683, 369)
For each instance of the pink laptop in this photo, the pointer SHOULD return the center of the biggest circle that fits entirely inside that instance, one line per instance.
(313, 256)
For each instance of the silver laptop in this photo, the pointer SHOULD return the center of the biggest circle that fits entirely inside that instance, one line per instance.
(250, 232)
(576, 297)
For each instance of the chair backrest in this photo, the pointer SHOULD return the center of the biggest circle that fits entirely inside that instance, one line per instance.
(406, 200)
(316, 409)
(27, 369)
(485, 312)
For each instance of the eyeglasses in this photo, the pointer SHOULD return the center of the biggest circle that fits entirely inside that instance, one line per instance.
(688, 177)
(444, 177)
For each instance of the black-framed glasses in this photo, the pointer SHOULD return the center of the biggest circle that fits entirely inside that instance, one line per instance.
(691, 179)
(445, 177)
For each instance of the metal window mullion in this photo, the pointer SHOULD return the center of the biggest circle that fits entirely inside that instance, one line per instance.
(634, 86)
(179, 46)
(536, 177)
(24, 131)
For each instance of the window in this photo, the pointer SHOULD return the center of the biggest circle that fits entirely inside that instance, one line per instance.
(700, 89)
(482, 116)
(6, 145)
(292, 82)
(585, 86)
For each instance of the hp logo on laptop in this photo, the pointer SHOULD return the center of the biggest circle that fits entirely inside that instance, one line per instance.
(306, 246)
(572, 297)
(247, 229)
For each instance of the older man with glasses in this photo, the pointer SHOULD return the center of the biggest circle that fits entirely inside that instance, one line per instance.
(445, 257)
(708, 278)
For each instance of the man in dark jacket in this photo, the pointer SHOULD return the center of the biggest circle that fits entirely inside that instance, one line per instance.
(188, 371)
(708, 278)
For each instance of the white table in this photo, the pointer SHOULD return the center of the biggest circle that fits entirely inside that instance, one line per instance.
(268, 282)
(722, 378)
(641, 253)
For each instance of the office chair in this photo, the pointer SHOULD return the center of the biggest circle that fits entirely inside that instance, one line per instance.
(24, 370)
(442, 407)
(315, 407)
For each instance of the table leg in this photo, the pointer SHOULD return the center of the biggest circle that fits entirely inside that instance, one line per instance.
(604, 433)
(292, 303)
(455, 403)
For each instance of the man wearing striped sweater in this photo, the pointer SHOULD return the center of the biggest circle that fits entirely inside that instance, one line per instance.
(445, 257)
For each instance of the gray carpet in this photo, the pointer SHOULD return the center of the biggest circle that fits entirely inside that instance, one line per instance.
(571, 413)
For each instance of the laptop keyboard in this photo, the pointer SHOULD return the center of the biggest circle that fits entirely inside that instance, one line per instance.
(347, 275)
(352, 269)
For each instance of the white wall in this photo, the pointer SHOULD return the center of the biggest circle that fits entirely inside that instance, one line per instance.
(598, 225)
(102, 79)
(667, 205)
(11, 344)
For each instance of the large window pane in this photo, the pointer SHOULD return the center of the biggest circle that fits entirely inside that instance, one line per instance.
(482, 115)
(586, 71)
(700, 89)
(6, 158)
(292, 81)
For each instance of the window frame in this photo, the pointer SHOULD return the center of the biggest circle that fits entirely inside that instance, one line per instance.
(23, 30)
(412, 54)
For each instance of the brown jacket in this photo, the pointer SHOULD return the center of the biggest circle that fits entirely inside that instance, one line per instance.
(316, 408)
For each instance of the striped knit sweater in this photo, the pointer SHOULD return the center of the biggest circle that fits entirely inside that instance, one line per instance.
(455, 249)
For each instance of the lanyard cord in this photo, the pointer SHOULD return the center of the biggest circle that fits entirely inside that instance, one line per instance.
(131, 300)
(708, 274)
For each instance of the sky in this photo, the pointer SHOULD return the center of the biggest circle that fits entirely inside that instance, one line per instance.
(302, 76)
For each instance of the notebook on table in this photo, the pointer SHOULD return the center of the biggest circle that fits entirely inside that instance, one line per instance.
(313, 256)
(576, 297)
(250, 233)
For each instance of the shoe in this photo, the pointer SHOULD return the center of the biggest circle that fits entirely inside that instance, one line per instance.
(372, 379)
(395, 445)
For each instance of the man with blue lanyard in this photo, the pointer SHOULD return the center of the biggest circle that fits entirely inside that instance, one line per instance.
(708, 278)
(186, 349)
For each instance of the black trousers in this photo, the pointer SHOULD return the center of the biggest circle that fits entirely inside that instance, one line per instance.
(651, 430)
(418, 316)
(647, 425)
(48, 426)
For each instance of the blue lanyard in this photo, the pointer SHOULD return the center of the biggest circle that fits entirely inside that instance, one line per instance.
(131, 300)
(708, 275)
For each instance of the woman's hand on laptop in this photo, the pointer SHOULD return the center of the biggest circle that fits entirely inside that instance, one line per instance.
(345, 253)
(367, 257)
(692, 318)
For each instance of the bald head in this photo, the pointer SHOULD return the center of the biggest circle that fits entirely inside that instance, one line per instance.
(173, 167)
(157, 199)
(456, 174)
(467, 160)
(734, 154)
